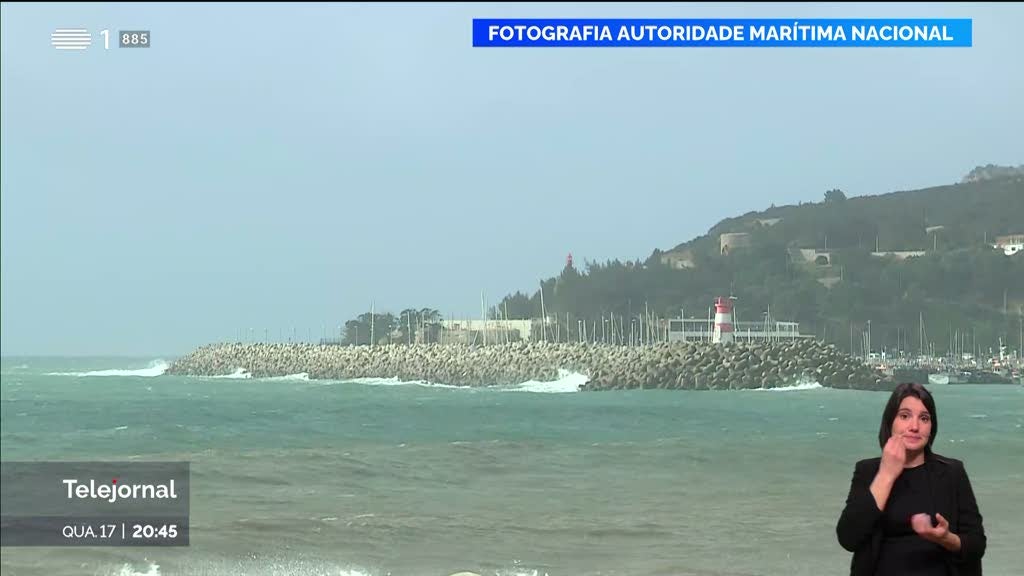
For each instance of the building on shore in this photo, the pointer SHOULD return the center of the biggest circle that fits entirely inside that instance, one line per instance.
(723, 329)
(1010, 244)
(480, 331)
(703, 330)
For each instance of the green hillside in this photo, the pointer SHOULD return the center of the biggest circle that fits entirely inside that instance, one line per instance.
(821, 264)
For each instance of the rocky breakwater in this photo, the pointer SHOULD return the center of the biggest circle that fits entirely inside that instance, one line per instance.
(687, 366)
(458, 365)
(704, 366)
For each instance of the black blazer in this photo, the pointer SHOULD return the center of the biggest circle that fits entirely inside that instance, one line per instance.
(860, 532)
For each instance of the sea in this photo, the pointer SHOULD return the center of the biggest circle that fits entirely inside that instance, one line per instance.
(292, 476)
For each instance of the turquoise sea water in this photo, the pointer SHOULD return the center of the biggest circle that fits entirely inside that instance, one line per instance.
(292, 476)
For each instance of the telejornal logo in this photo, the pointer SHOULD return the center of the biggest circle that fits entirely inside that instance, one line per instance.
(113, 491)
(122, 503)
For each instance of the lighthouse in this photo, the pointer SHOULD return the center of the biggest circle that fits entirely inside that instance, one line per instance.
(723, 333)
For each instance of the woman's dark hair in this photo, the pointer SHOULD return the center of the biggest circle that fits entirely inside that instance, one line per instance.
(901, 392)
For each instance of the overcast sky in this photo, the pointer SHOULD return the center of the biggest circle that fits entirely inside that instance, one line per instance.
(280, 166)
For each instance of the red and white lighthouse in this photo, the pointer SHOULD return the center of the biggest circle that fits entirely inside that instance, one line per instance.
(723, 333)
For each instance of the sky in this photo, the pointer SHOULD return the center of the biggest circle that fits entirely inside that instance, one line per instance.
(273, 168)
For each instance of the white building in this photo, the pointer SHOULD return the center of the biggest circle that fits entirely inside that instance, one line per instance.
(701, 330)
(1010, 244)
(495, 330)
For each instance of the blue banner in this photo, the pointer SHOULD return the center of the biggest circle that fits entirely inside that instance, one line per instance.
(710, 33)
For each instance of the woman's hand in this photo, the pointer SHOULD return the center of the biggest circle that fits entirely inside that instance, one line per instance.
(894, 457)
(922, 524)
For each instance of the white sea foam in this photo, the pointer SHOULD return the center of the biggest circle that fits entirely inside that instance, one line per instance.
(567, 382)
(239, 373)
(128, 570)
(155, 368)
(397, 382)
(255, 567)
(300, 377)
(795, 387)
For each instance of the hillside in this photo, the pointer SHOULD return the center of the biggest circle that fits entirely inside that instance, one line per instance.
(909, 266)
(969, 214)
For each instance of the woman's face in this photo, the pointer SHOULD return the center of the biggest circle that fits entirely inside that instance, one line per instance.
(913, 423)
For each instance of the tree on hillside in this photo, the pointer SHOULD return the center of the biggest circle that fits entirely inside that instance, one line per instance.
(408, 323)
(358, 330)
(430, 316)
(835, 195)
(518, 306)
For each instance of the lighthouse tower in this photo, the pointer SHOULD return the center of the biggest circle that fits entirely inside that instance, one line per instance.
(723, 333)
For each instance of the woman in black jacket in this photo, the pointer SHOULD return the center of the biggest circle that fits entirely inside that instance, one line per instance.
(911, 512)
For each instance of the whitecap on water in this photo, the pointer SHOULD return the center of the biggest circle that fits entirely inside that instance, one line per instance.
(155, 368)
